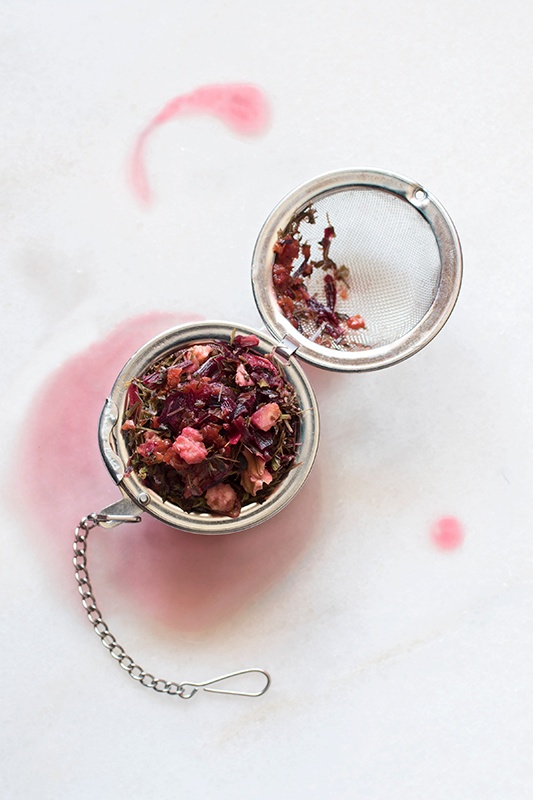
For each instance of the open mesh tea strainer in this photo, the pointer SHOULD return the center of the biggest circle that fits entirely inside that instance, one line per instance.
(355, 270)
(402, 262)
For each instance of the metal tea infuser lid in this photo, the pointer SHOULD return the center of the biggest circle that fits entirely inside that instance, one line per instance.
(355, 270)
(402, 262)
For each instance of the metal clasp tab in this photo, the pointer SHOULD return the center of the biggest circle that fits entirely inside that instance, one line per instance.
(124, 510)
(186, 694)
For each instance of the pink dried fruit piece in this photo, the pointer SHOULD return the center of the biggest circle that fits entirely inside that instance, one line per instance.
(222, 498)
(242, 378)
(266, 416)
(190, 446)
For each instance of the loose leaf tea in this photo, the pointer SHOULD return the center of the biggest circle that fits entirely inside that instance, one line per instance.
(318, 319)
(213, 426)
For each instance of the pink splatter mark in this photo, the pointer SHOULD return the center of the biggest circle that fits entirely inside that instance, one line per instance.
(242, 107)
(183, 580)
(447, 533)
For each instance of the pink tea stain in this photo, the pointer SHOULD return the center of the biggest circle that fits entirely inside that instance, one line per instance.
(447, 533)
(242, 107)
(185, 581)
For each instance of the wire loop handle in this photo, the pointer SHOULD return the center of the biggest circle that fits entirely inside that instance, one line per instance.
(185, 689)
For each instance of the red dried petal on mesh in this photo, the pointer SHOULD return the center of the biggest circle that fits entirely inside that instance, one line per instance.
(330, 290)
(286, 304)
(300, 292)
(286, 249)
(329, 234)
(129, 425)
(356, 322)
(326, 315)
(281, 275)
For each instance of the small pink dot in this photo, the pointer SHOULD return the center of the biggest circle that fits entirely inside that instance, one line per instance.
(447, 533)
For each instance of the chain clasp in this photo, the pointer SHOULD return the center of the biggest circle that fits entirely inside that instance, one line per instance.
(186, 694)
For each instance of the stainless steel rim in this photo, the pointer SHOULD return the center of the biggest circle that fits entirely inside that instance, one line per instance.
(115, 454)
(378, 357)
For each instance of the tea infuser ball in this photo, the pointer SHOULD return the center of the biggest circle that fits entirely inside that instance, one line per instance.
(355, 270)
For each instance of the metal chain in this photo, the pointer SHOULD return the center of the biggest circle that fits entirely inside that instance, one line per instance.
(186, 689)
(100, 626)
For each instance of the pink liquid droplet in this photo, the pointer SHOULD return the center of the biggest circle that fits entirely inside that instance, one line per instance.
(242, 107)
(185, 581)
(447, 533)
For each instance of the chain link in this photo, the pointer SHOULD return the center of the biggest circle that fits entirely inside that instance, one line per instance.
(100, 626)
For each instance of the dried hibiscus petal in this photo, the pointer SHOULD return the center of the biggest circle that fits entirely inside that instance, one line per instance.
(245, 341)
(259, 362)
(330, 290)
(308, 305)
(173, 376)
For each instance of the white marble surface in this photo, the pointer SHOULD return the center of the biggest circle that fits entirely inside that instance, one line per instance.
(399, 671)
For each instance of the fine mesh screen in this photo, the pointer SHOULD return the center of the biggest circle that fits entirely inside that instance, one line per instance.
(393, 266)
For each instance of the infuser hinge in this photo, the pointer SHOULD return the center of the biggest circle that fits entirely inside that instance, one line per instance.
(285, 349)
